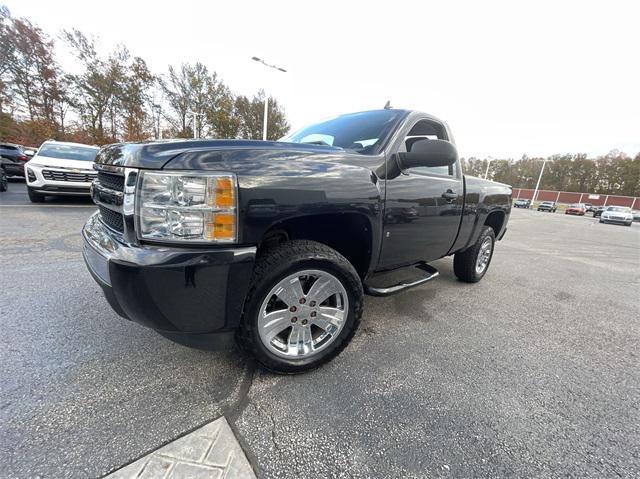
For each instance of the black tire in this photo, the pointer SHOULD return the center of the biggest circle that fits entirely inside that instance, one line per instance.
(35, 197)
(275, 265)
(4, 183)
(464, 262)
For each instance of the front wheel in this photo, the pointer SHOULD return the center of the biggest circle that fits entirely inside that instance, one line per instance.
(303, 307)
(472, 264)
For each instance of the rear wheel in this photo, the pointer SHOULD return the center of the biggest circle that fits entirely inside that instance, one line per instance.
(472, 264)
(303, 307)
(35, 197)
(4, 183)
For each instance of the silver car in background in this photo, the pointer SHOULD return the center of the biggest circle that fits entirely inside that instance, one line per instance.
(621, 215)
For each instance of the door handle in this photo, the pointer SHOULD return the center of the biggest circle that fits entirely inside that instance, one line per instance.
(449, 196)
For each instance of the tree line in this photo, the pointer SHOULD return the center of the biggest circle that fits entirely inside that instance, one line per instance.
(613, 174)
(114, 97)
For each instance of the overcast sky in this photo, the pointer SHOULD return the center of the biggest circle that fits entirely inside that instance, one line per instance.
(535, 77)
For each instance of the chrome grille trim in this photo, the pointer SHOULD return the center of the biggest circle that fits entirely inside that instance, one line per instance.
(111, 197)
(73, 176)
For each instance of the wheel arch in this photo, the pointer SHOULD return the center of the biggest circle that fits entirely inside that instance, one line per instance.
(350, 234)
(496, 220)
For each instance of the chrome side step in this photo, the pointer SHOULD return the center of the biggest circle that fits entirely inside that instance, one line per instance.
(426, 272)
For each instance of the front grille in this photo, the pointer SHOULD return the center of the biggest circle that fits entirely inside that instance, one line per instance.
(111, 181)
(55, 175)
(111, 218)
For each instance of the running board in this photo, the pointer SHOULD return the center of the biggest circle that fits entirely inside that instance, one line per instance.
(427, 273)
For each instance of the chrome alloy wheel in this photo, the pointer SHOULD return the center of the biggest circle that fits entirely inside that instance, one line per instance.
(484, 255)
(303, 314)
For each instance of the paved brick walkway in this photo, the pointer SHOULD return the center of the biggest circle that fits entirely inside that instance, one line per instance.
(209, 452)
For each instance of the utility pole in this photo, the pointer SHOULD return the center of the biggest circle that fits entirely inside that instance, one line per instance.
(266, 98)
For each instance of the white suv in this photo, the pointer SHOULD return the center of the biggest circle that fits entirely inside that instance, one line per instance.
(60, 168)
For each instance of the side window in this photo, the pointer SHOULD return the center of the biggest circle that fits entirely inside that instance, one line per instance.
(426, 130)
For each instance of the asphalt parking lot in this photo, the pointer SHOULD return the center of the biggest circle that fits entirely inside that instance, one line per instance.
(532, 372)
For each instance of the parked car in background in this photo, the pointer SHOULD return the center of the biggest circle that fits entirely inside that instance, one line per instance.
(620, 215)
(588, 207)
(12, 159)
(60, 168)
(522, 204)
(4, 183)
(549, 206)
(575, 209)
(597, 210)
(636, 215)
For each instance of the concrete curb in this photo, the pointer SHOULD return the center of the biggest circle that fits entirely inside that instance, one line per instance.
(211, 451)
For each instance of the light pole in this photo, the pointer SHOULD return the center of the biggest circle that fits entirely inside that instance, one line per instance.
(535, 192)
(158, 108)
(266, 98)
(195, 122)
(486, 172)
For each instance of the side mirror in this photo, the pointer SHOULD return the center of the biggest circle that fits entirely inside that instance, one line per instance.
(429, 153)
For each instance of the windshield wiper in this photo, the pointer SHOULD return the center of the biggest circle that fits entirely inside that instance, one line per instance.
(316, 142)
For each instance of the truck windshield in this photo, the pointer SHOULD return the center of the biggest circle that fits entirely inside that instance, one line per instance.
(360, 132)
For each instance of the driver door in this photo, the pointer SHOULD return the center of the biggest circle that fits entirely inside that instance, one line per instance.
(423, 205)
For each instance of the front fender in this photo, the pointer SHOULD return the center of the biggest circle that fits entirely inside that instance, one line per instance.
(275, 186)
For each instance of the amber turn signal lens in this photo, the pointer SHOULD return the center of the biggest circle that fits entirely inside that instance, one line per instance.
(224, 227)
(224, 193)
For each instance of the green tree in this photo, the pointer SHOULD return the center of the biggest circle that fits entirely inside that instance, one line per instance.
(251, 114)
(29, 71)
(94, 88)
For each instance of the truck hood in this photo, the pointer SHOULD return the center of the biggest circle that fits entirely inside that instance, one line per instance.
(157, 154)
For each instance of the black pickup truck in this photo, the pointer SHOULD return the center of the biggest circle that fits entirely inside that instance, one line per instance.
(274, 244)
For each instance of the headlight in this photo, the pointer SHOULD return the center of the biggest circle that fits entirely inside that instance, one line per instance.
(187, 207)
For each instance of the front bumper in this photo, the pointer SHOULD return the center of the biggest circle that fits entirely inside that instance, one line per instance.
(193, 296)
(617, 221)
(58, 187)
